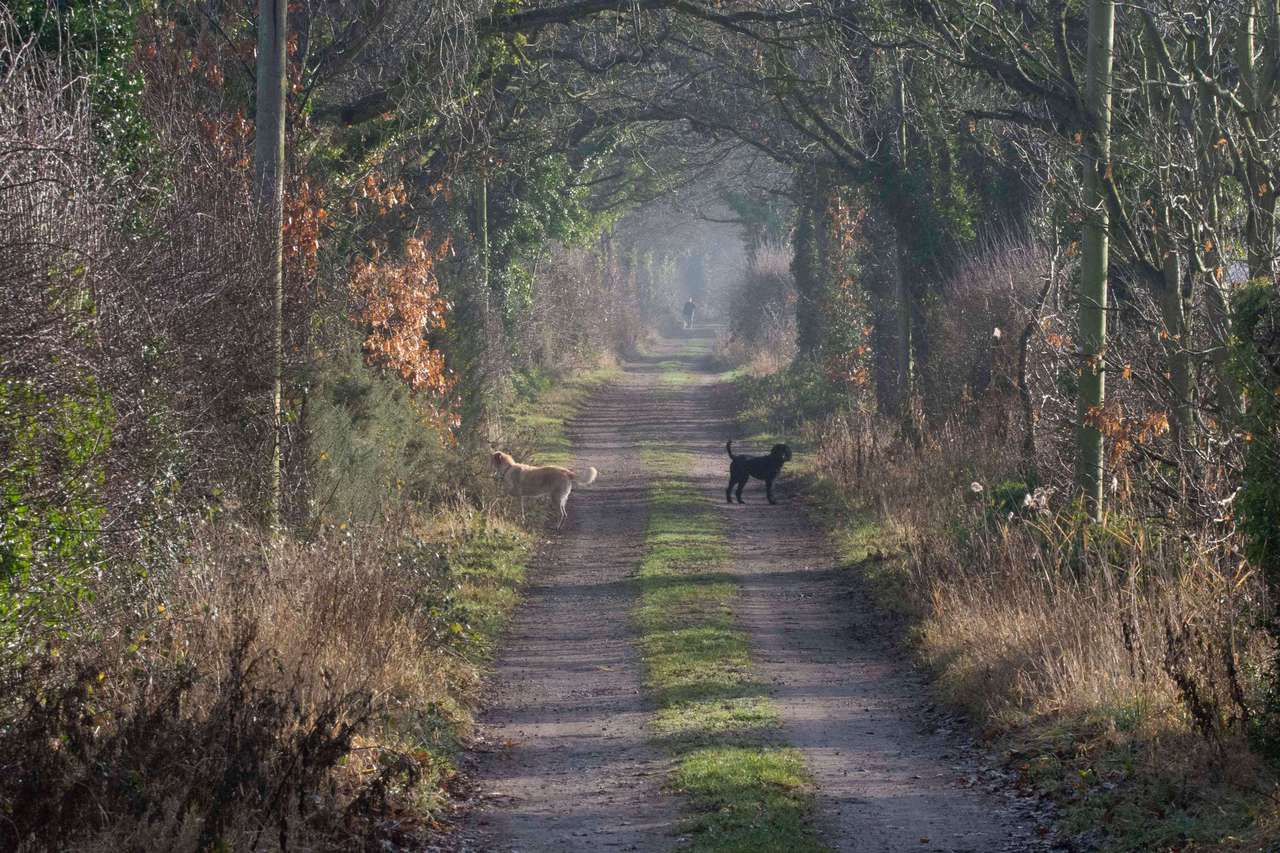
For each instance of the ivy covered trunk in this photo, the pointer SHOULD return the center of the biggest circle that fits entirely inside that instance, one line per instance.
(902, 258)
(807, 267)
(1256, 310)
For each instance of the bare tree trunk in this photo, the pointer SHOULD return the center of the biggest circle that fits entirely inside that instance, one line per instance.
(1024, 386)
(1166, 285)
(1217, 290)
(1218, 309)
(269, 188)
(902, 307)
(489, 426)
(1259, 81)
(807, 267)
(1260, 228)
(901, 286)
(1174, 321)
(1093, 269)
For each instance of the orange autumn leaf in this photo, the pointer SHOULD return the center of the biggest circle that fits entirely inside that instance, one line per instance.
(401, 305)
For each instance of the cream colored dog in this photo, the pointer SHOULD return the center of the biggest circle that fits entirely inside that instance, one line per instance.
(530, 480)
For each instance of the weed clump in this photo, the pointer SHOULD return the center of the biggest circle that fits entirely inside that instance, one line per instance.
(262, 694)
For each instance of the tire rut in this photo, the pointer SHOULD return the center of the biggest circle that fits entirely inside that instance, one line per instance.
(567, 763)
(893, 773)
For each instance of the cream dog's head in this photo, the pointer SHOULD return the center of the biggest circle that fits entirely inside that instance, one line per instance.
(501, 461)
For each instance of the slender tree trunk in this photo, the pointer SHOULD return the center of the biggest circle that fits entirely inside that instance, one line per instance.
(1217, 290)
(482, 229)
(1167, 285)
(753, 242)
(1093, 268)
(1024, 385)
(1260, 227)
(901, 259)
(489, 426)
(1218, 309)
(1258, 93)
(269, 188)
(902, 318)
(1174, 320)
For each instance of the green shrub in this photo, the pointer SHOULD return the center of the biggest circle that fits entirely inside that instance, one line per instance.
(786, 399)
(369, 444)
(51, 511)
(1008, 497)
(98, 37)
(531, 382)
(1257, 357)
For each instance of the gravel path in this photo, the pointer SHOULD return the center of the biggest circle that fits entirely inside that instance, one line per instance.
(893, 773)
(569, 766)
(567, 763)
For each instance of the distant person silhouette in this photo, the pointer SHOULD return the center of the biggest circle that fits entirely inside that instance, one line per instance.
(689, 308)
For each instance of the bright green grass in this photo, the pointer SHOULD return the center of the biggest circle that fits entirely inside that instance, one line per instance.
(676, 376)
(746, 791)
(489, 565)
(755, 798)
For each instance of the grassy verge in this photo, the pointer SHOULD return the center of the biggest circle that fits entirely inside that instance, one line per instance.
(301, 690)
(538, 421)
(1069, 671)
(487, 557)
(478, 565)
(747, 791)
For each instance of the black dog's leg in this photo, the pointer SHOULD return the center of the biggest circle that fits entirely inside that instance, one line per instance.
(768, 490)
(741, 485)
(728, 490)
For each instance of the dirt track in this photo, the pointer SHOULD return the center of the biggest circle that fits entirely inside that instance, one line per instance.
(567, 763)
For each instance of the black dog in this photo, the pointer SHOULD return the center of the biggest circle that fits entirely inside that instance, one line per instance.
(766, 468)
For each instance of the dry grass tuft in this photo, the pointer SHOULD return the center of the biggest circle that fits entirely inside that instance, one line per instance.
(755, 358)
(1095, 649)
(263, 693)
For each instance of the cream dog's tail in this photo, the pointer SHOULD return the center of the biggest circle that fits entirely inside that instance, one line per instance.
(592, 473)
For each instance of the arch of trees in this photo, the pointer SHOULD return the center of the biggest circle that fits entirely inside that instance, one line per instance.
(256, 253)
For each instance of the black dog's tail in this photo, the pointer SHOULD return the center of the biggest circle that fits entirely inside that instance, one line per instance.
(728, 448)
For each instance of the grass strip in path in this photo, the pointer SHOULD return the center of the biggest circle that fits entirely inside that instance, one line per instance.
(747, 790)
